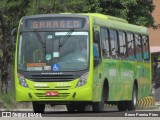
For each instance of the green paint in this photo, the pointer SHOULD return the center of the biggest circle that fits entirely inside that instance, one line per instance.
(120, 73)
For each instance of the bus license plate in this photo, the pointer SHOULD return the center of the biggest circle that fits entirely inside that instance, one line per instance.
(52, 93)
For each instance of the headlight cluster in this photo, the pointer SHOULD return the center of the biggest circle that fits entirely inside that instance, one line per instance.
(83, 79)
(22, 81)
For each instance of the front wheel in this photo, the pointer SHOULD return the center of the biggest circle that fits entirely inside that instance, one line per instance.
(99, 106)
(71, 107)
(79, 107)
(38, 108)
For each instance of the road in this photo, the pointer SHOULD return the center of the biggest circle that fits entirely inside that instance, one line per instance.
(61, 113)
(150, 113)
(110, 112)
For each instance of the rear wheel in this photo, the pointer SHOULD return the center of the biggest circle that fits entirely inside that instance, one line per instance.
(38, 108)
(132, 104)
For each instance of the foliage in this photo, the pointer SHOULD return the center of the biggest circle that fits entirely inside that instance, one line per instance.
(135, 11)
(8, 100)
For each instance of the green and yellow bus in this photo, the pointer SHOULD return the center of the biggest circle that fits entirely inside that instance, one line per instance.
(81, 59)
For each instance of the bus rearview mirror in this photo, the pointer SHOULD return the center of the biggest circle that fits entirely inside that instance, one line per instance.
(13, 36)
(96, 37)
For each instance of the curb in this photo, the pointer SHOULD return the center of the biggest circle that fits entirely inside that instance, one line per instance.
(146, 102)
(110, 106)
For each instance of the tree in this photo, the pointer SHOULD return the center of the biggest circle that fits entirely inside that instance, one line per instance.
(10, 13)
(137, 12)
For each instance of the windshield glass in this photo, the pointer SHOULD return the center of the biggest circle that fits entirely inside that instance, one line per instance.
(53, 51)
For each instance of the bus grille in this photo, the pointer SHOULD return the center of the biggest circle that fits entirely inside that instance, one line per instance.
(52, 78)
(60, 96)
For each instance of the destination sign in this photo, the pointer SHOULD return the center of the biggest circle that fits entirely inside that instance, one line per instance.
(54, 23)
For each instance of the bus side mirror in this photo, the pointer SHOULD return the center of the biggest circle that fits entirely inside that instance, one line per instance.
(12, 38)
(96, 37)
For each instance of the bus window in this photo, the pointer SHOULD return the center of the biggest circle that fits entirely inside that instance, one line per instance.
(145, 45)
(96, 48)
(138, 46)
(113, 41)
(105, 43)
(32, 49)
(122, 45)
(116, 43)
(130, 44)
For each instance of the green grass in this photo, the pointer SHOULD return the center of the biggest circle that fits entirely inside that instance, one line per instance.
(8, 100)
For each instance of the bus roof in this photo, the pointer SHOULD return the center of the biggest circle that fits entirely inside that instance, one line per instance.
(102, 20)
(116, 23)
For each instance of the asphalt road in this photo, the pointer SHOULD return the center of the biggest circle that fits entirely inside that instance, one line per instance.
(94, 116)
(149, 113)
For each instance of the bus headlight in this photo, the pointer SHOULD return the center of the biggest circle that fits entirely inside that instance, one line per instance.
(22, 81)
(83, 79)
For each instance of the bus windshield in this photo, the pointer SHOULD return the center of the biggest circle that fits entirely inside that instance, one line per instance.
(53, 51)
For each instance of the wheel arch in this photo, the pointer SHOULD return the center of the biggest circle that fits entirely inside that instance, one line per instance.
(106, 88)
(136, 84)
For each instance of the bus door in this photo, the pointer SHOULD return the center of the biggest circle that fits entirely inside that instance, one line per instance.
(97, 73)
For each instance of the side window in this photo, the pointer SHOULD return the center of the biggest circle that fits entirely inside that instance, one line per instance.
(138, 46)
(122, 45)
(130, 45)
(105, 43)
(96, 48)
(145, 44)
(113, 42)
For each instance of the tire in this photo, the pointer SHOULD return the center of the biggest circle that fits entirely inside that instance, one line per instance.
(83, 107)
(132, 104)
(38, 108)
(122, 106)
(99, 106)
(71, 107)
(79, 107)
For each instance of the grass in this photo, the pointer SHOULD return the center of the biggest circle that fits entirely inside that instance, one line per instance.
(8, 100)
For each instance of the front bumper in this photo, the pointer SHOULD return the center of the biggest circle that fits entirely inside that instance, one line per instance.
(83, 93)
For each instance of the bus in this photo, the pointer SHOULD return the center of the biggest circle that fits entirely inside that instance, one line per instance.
(81, 60)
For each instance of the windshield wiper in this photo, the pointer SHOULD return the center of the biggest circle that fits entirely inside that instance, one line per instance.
(40, 39)
(66, 38)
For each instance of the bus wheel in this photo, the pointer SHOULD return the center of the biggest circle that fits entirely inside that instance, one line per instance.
(122, 106)
(71, 107)
(38, 108)
(132, 104)
(83, 107)
(99, 106)
(80, 107)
